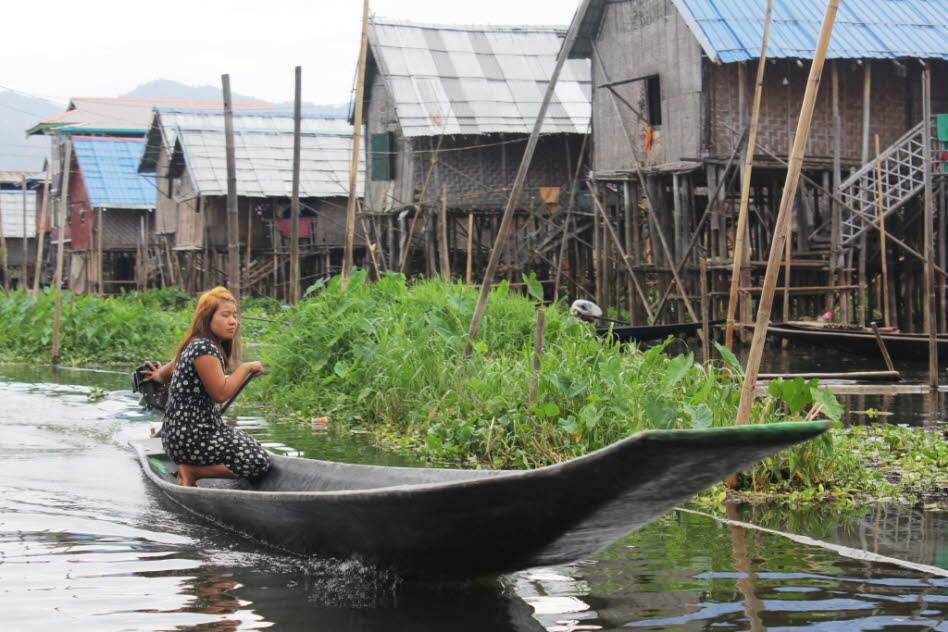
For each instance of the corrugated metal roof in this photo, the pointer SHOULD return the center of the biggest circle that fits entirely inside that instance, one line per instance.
(478, 79)
(166, 122)
(16, 177)
(109, 171)
(11, 210)
(731, 30)
(132, 116)
(265, 162)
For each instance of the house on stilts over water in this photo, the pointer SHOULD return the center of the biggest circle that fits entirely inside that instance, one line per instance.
(106, 257)
(448, 111)
(186, 156)
(673, 87)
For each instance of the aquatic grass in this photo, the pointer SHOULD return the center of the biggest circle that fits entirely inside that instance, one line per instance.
(127, 328)
(390, 357)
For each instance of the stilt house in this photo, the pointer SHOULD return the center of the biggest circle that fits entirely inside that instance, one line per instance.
(101, 117)
(673, 88)
(448, 110)
(193, 196)
(111, 215)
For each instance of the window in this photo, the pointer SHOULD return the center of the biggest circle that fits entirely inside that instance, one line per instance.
(382, 156)
(653, 99)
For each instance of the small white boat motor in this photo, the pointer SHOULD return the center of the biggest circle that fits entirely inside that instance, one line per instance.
(585, 310)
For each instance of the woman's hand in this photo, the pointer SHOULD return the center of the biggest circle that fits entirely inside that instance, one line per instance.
(156, 372)
(252, 367)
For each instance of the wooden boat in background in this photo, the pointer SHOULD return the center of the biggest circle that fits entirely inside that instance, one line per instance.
(861, 342)
(646, 333)
(467, 523)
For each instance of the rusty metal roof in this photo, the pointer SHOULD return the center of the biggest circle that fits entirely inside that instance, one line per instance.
(478, 79)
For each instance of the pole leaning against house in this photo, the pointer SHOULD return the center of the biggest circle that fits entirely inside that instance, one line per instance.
(784, 215)
(354, 168)
(745, 185)
(521, 177)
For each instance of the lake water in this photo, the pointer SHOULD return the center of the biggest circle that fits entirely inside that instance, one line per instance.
(87, 544)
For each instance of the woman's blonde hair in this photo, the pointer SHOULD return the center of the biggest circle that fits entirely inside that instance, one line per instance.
(200, 326)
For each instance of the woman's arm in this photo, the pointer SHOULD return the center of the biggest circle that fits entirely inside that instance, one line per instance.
(156, 372)
(222, 387)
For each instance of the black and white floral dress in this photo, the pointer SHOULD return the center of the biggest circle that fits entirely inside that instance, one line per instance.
(193, 431)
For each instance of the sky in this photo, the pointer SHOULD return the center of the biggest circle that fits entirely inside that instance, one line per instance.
(60, 49)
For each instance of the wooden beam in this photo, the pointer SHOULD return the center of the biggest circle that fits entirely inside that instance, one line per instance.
(41, 230)
(931, 325)
(233, 228)
(883, 255)
(504, 228)
(60, 250)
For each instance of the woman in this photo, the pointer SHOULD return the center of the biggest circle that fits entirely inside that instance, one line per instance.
(193, 434)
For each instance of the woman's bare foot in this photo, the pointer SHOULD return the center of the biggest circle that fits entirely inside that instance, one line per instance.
(188, 475)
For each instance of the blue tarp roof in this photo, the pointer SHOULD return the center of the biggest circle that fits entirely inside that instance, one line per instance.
(109, 169)
(731, 30)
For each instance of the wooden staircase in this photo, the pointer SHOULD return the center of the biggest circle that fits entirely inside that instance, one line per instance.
(902, 179)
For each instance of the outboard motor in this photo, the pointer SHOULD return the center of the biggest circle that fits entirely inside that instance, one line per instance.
(154, 395)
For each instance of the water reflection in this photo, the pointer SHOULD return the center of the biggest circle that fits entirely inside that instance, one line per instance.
(86, 544)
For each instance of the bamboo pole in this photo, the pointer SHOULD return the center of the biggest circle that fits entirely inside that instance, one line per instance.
(100, 224)
(783, 216)
(515, 191)
(295, 199)
(470, 247)
(24, 285)
(705, 311)
(60, 250)
(3, 257)
(788, 255)
(233, 228)
(887, 318)
(354, 166)
(931, 324)
(370, 246)
(443, 235)
(745, 184)
(418, 213)
(41, 231)
(537, 352)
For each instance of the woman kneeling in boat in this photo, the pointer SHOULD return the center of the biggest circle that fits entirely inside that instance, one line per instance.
(193, 434)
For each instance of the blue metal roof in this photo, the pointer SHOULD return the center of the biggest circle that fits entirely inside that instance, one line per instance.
(109, 168)
(731, 30)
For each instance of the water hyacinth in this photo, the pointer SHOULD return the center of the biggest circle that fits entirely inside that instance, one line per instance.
(391, 357)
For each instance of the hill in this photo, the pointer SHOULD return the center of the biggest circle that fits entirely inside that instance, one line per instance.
(19, 112)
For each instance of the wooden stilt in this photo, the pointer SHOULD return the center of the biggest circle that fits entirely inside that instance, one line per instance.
(295, 289)
(41, 231)
(537, 353)
(443, 235)
(60, 251)
(783, 217)
(928, 302)
(883, 256)
(705, 310)
(470, 248)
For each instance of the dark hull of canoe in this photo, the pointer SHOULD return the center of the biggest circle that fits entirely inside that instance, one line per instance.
(647, 333)
(900, 346)
(467, 523)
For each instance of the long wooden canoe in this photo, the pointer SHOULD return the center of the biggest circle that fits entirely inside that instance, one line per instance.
(466, 523)
(899, 345)
(645, 333)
